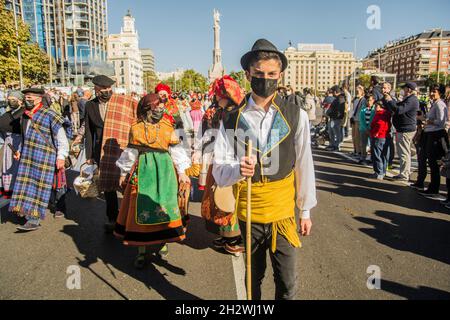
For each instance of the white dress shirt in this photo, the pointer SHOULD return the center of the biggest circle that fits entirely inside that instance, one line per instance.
(226, 168)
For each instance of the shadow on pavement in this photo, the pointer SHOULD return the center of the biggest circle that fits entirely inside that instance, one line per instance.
(428, 237)
(366, 188)
(95, 245)
(420, 293)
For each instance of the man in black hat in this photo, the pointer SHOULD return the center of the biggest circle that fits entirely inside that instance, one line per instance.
(405, 122)
(281, 168)
(115, 114)
(42, 157)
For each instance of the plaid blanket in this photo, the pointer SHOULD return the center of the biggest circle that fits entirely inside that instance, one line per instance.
(37, 166)
(120, 115)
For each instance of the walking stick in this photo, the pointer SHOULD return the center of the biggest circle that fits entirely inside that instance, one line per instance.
(249, 227)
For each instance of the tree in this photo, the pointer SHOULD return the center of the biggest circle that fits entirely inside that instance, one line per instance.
(150, 81)
(192, 80)
(431, 80)
(241, 80)
(364, 80)
(35, 62)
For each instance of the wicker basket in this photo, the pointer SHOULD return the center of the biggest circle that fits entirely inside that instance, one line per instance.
(87, 188)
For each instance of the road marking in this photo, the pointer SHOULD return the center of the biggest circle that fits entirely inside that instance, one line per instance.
(239, 276)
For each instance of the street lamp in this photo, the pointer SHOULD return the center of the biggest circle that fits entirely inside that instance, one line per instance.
(354, 69)
(19, 53)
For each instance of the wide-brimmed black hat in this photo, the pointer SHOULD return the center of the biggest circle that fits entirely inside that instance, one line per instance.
(103, 81)
(39, 91)
(266, 46)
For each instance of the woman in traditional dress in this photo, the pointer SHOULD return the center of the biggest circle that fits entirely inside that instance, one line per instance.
(150, 214)
(227, 95)
(10, 166)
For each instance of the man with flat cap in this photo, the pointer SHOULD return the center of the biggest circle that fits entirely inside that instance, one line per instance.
(42, 156)
(108, 121)
(281, 169)
(405, 122)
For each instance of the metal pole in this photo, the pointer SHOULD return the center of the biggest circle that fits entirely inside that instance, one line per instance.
(439, 57)
(354, 71)
(248, 238)
(19, 52)
(63, 55)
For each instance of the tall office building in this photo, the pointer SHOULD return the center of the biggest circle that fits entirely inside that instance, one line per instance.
(148, 60)
(73, 32)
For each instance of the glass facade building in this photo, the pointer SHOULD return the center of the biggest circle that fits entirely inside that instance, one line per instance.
(73, 32)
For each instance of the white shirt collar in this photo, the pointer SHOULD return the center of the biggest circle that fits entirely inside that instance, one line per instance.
(251, 105)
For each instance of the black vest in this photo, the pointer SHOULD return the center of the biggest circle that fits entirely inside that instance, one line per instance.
(281, 147)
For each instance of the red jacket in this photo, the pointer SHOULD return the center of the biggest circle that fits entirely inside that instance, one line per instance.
(381, 124)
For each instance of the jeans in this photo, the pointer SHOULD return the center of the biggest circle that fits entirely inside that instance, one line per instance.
(336, 133)
(380, 155)
(364, 141)
(283, 262)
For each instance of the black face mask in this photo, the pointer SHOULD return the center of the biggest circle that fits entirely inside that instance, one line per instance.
(13, 104)
(29, 104)
(105, 96)
(263, 87)
(156, 115)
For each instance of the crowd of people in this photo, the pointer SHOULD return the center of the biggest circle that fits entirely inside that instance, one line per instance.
(151, 147)
(387, 124)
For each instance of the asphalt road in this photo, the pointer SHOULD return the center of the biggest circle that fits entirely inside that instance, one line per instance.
(358, 223)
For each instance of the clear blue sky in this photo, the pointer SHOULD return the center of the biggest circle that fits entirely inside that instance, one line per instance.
(181, 35)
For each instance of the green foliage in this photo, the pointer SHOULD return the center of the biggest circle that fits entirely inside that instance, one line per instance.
(431, 80)
(190, 80)
(241, 79)
(364, 80)
(35, 62)
(150, 81)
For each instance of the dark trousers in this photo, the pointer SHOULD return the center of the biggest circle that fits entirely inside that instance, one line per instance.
(57, 201)
(380, 154)
(447, 183)
(283, 262)
(112, 205)
(435, 152)
(421, 149)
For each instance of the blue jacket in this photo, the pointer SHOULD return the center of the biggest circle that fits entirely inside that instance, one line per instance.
(405, 113)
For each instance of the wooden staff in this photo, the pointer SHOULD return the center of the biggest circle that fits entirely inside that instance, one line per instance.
(249, 227)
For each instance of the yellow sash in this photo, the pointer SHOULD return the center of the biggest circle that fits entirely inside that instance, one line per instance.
(272, 202)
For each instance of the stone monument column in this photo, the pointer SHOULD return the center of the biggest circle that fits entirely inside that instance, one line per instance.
(217, 70)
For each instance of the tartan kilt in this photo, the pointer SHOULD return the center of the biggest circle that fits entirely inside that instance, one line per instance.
(37, 167)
